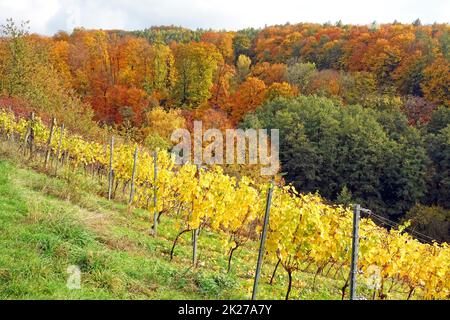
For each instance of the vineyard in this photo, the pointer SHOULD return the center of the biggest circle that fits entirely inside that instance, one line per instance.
(304, 232)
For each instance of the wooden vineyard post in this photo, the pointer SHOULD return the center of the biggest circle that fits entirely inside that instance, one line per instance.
(194, 247)
(66, 158)
(263, 241)
(111, 170)
(195, 232)
(25, 140)
(155, 195)
(12, 139)
(355, 243)
(58, 151)
(3, 130)
(29, 136)
(49, 142)
(133, 173)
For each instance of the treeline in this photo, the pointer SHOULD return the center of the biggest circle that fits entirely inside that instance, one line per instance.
(390, 78)
(122, 75)
(352, 154)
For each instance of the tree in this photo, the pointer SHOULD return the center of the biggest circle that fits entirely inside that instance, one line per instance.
(223, 42)
(382, 102)
(438, 146)
(27, 73)
(125, 105)
(17, 61)
(163, 74)
(324, 147)
(409, 74)
(243, 67)
(95, 70)
(300, 75)
(131, 61)
(436, 82)
(212, 118)
(220, 92)
(357, 87)
(160, 123)
(324, 83)
(241, 44)
(440, 118)
(418, 110)
(195, 64)
(344, 197)
(331, 54)
(382, 58)
(433, 221)
(249, 95)
(270, 73)
(59, 58)
(283, 89)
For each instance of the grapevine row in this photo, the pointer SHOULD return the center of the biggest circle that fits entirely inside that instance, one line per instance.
(303, 231)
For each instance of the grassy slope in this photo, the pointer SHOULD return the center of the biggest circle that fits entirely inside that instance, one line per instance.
(47, 224)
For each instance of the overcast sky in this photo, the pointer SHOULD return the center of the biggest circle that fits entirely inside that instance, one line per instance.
(49, 16)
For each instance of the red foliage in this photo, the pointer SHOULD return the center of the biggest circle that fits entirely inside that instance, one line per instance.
(418, 110)
(22, 108)
(121, 103)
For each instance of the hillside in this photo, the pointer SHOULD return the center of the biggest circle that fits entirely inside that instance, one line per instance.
(305, 234)
(336, 82)
(47, 224)
(101, 196)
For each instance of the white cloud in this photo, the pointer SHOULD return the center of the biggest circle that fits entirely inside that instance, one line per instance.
(50, 16)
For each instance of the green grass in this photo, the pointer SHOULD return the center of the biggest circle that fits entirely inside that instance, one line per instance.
(48, 223)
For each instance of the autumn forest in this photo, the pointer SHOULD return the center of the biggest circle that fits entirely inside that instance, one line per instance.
(363, 111)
